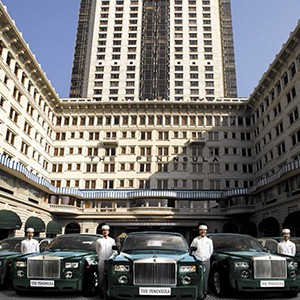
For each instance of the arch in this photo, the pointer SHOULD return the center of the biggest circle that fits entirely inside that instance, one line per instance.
(249, 228)
(9, 220)
(36, 223)
(269, 227)
(53, 228)
(230, 228)
(292, 221)
(72, 228)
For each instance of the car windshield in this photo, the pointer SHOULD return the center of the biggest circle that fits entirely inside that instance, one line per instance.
(232, 242)
(155, 242)
(74, 243)
(13, 245)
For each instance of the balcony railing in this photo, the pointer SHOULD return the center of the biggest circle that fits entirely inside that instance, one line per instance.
(158, 210)
(238, 209)
(66, 209)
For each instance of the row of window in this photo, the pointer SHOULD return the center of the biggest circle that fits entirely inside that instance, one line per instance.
(147, 151)
(109, 167)
(153, 120)
(157, 183)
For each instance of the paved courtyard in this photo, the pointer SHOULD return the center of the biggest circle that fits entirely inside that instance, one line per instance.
(11, 295)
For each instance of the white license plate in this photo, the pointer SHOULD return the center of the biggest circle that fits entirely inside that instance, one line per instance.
(153, 291)
(42, 283)
(271, 283)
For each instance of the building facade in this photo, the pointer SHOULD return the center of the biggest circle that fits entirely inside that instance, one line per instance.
(153, 135)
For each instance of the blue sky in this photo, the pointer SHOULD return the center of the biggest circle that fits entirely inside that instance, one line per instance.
(260, 28)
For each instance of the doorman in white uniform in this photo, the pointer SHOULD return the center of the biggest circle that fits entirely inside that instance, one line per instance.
(104, 249)
(30, 245)
(204, 250)
(286, 246)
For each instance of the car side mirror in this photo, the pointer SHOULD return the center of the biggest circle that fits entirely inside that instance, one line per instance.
(193, 248)
(116, 248)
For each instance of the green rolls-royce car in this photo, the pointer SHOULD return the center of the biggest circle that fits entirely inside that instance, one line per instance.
(9, 249)
(155, 265)
(271, 243)
(70, 263)
(240, 263)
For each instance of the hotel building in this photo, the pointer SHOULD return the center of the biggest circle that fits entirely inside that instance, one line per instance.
(153, 135)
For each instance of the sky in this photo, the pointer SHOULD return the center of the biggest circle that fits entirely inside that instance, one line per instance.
(260, 28)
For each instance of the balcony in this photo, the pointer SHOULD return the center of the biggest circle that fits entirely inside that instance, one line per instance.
(65, 209)
(152, 210)
(238, 209)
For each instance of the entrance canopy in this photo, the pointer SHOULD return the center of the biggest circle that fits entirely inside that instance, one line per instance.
(53, 228)
(36, 223)
(9, 220)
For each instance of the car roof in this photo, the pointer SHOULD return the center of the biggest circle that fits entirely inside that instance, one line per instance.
(155, 232)
(80, 235)
(226, 234)
(14, 238)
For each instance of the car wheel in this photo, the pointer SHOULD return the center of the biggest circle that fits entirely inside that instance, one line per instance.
(91, 285)
(218, 283)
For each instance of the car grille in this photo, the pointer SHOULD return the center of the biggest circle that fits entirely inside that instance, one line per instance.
(155, 273)
(43, 267)
(270, 267)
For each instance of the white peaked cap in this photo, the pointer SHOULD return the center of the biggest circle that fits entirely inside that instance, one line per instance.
(105, 227)
(203, 227)
(286, 230)
(29, 229)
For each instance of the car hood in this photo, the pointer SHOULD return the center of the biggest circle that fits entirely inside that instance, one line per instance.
(246, 253)
(6, 253)
(61, 254)
(182, 256)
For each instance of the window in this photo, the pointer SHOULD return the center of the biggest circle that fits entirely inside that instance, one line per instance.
(108, 184)
(162, 184)
(294, 116)
(13, 115)
(10, 137)
(214, 168)
(91, 168)
(109, 168)
(145, 167)
(214, 151)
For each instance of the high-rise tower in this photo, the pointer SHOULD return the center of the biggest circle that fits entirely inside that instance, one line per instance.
(150, 49)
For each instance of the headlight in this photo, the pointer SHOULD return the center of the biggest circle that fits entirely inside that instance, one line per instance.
(241, 264)
(122, 268)
(187, 269)
(71, 265)
(21, 264)
(69, 274)
(123, 279)
(20, 273)
(186, 280)
(245, 274)
(292, 265)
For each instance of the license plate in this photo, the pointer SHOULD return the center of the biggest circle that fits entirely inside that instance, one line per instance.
(272, 283)
(42, 283)
(149, 291)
